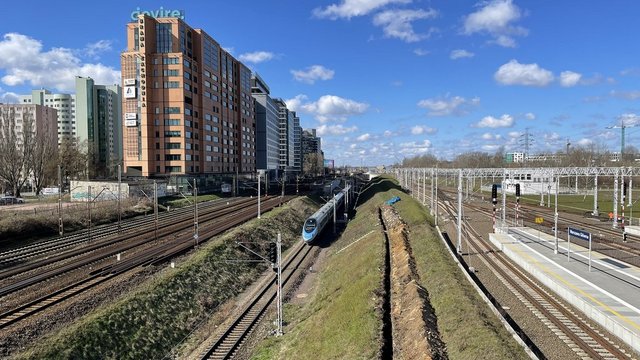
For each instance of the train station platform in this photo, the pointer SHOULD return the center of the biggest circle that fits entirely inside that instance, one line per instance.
(608, 293)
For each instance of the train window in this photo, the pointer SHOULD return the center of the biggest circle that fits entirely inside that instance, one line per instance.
(310, 225)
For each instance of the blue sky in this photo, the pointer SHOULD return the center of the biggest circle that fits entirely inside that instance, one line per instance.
(381, 79)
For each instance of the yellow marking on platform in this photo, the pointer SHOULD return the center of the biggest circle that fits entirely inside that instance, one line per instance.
(558, 277)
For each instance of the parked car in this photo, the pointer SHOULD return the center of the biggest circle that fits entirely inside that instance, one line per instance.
(10, 200)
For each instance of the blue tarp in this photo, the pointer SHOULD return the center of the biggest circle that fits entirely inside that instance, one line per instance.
(393, 200)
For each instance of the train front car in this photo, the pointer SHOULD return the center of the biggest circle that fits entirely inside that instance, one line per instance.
(310, 230)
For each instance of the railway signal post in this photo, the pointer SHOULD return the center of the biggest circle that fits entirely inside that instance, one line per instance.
(494, 201)
(279, 295)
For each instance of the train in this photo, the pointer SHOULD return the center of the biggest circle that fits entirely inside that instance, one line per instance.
(315, 223)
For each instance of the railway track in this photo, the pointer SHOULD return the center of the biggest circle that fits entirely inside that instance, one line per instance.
(227, 344)
(42, 248)
(603, 239)
(156, 255)
(568, 325)
(109, 247)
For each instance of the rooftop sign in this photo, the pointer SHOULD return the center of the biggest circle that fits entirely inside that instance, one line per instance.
(160, 13)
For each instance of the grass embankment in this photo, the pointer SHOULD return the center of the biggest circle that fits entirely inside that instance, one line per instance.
(342, 317)
(180, 201)
(466, 324)
(150, 322)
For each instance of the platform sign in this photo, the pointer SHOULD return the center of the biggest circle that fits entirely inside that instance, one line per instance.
(584, 235)
(539, 220)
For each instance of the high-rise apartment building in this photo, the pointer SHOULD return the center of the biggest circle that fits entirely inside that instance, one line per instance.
(268, 127)
(99, 123)
(297, 144)
(40, 121)
(187, 103)
(312, 155)
(286, 131)
(64, 104)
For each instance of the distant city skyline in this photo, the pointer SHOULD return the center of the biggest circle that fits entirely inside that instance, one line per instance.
(381, 80)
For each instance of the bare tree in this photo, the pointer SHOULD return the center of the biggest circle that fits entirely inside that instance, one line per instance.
(311, 164)
(73, 158)
(43, 161)
(16, 145)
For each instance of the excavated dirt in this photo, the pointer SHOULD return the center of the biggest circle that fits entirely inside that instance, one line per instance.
(414, 323)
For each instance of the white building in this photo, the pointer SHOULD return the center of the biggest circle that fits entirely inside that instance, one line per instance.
(65, 104)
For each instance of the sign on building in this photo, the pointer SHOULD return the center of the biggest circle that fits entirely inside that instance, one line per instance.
(129, 92)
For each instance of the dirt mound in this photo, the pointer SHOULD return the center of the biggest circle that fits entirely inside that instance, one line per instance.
(414, 323)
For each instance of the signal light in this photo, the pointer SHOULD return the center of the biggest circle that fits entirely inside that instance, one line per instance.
(494, 194)
(517, 189)
(273, 253)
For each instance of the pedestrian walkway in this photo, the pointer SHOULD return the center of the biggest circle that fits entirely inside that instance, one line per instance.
(607, 290)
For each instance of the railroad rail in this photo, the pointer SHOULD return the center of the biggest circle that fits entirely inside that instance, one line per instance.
(582, 338)
(158, 254)
(57, 244)
(227, 344)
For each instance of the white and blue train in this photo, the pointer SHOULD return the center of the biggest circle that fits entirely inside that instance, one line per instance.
(316, 222)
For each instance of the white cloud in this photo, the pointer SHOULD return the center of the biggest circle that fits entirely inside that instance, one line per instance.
(629, 119)
(327, 107)
(627, 95)
(388, 133)
(398, 23)
(350, 8)
(421, 52)
(8, 97)
(490, 136)
(461, 53)
(496, 18)
(415, 148)
(421, 129)
(443, 106)
(94, 49)
(364, 137)
(490, 147)
(256, 57)
(230, 50)
(514, 73)
(585, 142)
(514, 134)
(505, 120)
(530, 116)
(551, 137)
(295, 103)
(335, 130)
(24, 61)
(313, 73)
(353, 146)
(569, 78)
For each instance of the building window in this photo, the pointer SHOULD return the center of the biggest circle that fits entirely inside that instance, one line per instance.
(172, 157)
(164, 39)
(171, 110)
(171, 122)
(171, 169)
(172, 145)
(172, 133)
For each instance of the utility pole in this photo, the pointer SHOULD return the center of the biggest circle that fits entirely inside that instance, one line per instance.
(555, 216)
(279, 295)
(459, 211)
(334, 214)
(596, 209)
(119, 196)
(615, 200)
(195, 211)
(155, 209)
(259, 175)
(60, 223)
(89, 209)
